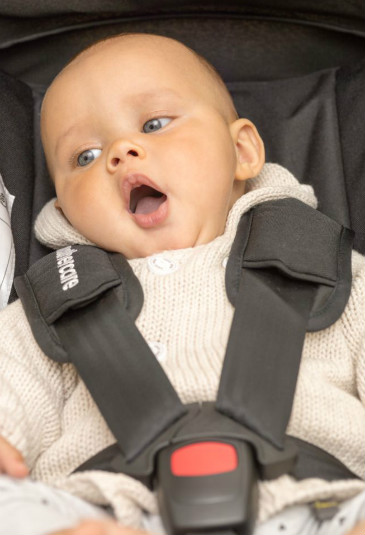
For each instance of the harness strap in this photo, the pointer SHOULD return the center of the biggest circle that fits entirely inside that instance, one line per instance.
(311, 461)
(289, 270)
(315, 462)
(264, 351)
(122, 374)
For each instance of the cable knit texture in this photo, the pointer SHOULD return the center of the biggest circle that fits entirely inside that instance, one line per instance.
(47, 412)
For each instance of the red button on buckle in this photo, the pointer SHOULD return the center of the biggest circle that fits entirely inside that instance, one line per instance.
(203, 459)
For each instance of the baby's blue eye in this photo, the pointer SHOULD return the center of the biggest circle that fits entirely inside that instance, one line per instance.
(87, 156)
(155, 124)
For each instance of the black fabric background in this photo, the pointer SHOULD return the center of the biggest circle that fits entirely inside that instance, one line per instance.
(241, 49)
(17, 160)
(350, 93)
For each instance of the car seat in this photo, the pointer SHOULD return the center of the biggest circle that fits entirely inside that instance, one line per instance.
(295, 68)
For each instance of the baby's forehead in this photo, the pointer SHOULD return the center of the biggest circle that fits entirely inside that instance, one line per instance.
(140, 61)
(129, 63)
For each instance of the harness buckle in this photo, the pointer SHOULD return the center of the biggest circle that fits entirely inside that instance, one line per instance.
(207, 485)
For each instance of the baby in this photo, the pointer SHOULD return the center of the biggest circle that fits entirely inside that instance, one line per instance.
(149, 159)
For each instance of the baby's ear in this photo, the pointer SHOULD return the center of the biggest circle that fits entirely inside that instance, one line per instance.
(249, 148)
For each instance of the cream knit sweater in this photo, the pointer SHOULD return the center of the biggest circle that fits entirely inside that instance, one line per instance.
(47, 412)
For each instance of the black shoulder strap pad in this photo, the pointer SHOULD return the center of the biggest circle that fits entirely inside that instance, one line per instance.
(290, 236)
(72, 278)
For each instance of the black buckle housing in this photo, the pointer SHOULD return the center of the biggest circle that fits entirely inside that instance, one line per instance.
(207, 485)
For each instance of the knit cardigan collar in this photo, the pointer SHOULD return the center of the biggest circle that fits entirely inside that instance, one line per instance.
(274, 182)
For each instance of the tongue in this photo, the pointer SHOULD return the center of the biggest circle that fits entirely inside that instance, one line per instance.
(150, 204)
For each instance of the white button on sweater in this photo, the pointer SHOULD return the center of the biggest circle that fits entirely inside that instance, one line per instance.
(161, 264)
(47, 412)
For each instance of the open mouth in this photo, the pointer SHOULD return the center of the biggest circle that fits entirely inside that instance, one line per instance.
(148, 206)
(145, 199)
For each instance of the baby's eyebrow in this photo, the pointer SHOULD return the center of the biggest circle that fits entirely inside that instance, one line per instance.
(63, 136)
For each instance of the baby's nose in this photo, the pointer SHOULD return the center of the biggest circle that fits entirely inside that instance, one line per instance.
(121, 151)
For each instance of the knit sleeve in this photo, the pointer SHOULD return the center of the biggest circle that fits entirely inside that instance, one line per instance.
(353, 321)
(31, 388)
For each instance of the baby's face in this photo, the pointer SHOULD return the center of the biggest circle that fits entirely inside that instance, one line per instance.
(142, 155)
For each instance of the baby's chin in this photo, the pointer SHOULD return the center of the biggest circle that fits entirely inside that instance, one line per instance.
(147, 251)
(150, 249)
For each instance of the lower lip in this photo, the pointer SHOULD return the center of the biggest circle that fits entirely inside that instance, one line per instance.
(154, 218)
